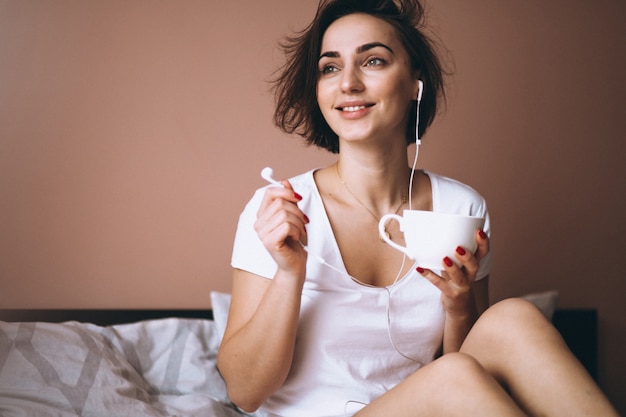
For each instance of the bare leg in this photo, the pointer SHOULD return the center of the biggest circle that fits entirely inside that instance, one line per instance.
(453, 385)
(516, 344)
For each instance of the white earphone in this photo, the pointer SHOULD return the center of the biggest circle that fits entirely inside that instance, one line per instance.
(417, 115)
(267, 174)
(421, 89)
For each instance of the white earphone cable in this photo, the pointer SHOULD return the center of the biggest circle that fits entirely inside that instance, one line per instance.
(418, 142)
(267, 175)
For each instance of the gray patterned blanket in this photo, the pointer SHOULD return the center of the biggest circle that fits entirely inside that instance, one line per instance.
(155, 368)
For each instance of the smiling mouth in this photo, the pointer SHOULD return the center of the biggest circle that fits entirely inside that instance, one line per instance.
(354, 108)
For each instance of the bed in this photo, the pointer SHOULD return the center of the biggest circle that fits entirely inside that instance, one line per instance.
(145, 363)
(112, 363)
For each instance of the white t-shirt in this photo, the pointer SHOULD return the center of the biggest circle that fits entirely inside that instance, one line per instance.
(354, 342)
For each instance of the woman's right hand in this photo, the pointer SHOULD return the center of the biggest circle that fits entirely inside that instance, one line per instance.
(281, 227)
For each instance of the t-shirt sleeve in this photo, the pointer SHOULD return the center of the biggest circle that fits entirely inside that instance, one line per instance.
(249, 254)
(458, 198)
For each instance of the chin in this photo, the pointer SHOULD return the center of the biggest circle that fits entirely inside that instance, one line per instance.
(356, 135)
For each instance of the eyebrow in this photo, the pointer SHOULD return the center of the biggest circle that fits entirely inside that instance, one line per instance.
(363, 48)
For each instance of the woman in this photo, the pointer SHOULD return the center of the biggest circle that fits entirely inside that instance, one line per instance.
(351, 325)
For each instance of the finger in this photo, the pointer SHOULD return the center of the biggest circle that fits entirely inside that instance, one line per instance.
(468, 261)
(282, 241)
(483, 244)
(277, 198)
(456, 274)
(285, 234)
(294, 197)
(278, 215)
(273, 193)
(276, 205)
(438, 281)
(283, 244)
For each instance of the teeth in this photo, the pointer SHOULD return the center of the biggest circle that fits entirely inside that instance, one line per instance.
(353, 108)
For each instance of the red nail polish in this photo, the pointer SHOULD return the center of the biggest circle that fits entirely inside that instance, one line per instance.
(460, 250)
(306, 218)
(297, 196)
(482, 234)
(420, 269)
(448, 261)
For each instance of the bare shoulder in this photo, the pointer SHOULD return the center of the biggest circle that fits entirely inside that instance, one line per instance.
(325, 179)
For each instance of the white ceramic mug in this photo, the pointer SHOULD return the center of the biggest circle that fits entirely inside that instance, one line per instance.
(431, 236)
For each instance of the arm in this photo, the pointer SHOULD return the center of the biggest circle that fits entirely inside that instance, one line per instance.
(257, 349)
(457, 326)
(463, 299)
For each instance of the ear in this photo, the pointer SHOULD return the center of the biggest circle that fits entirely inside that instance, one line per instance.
(418, 86)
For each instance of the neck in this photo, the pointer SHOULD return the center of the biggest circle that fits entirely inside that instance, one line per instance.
(380, 187)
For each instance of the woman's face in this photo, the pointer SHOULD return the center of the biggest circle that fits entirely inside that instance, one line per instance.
(365, 84)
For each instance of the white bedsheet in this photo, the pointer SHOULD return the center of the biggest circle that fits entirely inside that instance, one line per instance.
(163, 367)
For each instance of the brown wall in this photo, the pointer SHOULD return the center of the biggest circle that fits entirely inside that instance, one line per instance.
(132, 133)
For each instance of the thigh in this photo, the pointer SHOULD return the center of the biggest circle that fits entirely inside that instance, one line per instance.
(455, 384)
(508, 335)
(518, 346)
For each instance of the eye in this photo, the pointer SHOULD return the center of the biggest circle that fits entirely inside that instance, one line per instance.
(328, 69)
(374, 62)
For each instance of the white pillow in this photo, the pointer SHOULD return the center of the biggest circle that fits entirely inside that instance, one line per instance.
(220, 304)
(545, 301)
(145, 369)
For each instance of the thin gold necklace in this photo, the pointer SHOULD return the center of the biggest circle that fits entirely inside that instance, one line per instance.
(376, 218)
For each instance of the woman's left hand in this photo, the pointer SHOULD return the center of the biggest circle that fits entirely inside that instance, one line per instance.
(456, 282)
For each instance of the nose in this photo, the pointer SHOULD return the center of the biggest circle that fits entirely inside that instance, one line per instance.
(351, 79)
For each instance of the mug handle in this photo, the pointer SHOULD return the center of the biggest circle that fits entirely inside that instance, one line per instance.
(381, 231)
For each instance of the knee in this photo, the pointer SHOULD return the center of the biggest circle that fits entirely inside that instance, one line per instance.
(510, 318)
(454, 368)
(513, 312)
(516, 307)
